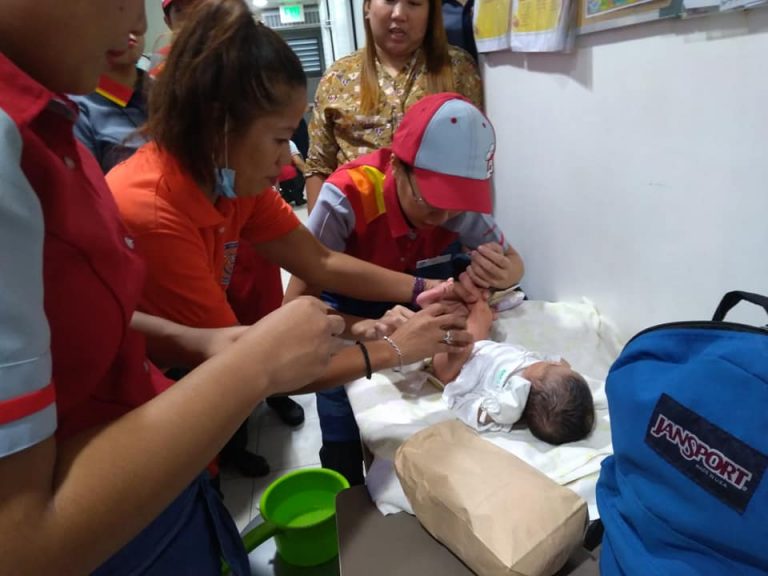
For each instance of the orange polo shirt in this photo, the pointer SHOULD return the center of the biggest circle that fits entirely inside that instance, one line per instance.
(188, 243)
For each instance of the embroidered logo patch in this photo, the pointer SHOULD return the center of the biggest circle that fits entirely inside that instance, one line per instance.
(717, 461)
(489, 160)
(230, 255)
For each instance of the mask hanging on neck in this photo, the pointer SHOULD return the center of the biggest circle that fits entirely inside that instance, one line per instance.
(225, 182)
(225, 177)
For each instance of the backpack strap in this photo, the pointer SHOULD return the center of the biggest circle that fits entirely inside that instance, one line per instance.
(732, 298)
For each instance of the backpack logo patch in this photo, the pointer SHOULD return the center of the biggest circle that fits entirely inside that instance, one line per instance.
(717, 461)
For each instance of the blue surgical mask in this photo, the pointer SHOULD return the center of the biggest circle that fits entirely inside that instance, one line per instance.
(225, 177)
(225, 183)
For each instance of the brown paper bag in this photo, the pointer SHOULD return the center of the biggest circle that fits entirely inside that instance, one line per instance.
(498, 514)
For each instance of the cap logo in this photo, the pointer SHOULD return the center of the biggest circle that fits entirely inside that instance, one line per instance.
(489, 160)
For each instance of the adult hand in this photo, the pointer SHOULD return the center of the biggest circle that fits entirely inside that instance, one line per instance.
(293, 345)
(491, 268)
(423, 335)
(378, 328)
(463, 291)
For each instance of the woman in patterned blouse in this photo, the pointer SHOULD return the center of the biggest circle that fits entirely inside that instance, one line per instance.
(362, 97)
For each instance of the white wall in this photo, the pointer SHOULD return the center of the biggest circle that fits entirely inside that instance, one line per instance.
(634, 172)
(155, 25)
(357, 9)
(338, 34)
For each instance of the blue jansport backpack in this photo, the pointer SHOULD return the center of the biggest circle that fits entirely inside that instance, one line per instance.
(685, 491)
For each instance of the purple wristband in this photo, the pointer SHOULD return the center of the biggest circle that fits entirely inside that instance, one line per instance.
(419, 285)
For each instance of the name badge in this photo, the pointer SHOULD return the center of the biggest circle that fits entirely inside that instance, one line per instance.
(433, 261)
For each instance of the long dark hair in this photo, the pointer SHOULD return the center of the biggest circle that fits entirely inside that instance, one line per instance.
(223, 68)
(435, 47)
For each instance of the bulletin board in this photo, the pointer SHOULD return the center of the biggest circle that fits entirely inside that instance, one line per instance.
(598, 15)
(546, 25)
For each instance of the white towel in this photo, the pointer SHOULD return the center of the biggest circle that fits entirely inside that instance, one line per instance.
(390, 408)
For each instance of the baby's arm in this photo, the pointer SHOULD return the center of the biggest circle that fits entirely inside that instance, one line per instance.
(447, 366)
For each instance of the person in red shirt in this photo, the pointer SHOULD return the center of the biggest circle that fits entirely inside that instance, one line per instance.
(255, 289)
(96, 476)
(174, 12)
(420, 206)
(204, 185)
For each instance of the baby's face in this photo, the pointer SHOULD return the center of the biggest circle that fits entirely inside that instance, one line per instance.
(537, 372)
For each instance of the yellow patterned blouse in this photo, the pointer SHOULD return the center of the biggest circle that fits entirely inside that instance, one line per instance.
(338, 133)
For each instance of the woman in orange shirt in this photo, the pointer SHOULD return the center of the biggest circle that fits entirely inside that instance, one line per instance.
(204, 185)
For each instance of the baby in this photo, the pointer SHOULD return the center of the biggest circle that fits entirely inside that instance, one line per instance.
(496, 385)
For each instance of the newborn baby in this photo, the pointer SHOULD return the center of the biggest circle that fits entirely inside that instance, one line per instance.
(496, 385)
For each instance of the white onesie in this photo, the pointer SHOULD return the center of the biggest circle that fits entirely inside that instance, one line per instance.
(491, 384)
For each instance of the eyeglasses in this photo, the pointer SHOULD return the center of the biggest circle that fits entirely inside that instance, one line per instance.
(418, 199)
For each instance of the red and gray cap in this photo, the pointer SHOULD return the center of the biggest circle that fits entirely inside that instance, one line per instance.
(449, 144)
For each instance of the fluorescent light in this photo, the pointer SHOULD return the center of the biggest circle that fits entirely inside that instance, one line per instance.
(259, 3)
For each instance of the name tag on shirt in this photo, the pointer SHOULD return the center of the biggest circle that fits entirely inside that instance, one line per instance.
(432, 261)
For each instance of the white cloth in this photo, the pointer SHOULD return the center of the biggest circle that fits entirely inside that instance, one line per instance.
(390, 408)
(384, 488)
(490, 392)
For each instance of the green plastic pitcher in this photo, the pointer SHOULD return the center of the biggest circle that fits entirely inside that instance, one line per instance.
(299, 510)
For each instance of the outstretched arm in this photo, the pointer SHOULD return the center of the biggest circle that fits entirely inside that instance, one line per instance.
(61, 496)
(418, 338)
(448, 365)
(170, 344)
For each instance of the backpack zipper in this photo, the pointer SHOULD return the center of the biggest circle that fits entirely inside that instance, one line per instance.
(706, 324)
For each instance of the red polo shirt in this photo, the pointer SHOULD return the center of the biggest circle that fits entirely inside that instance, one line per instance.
(358, 212)
(69, 278)
(188, 243)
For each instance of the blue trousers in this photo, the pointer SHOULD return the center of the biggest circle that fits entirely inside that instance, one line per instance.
(191, 536)
(337, 422)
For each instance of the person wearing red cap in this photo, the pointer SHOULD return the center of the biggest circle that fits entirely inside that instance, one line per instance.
(401, 208)
(174, 12)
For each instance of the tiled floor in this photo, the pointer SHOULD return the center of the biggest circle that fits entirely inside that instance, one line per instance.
(286, 449)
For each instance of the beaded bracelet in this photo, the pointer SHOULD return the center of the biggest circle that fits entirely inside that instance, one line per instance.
(364, 350)
(419, 285)
(389, 341)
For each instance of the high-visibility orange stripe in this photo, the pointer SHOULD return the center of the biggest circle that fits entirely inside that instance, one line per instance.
(370, 184)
